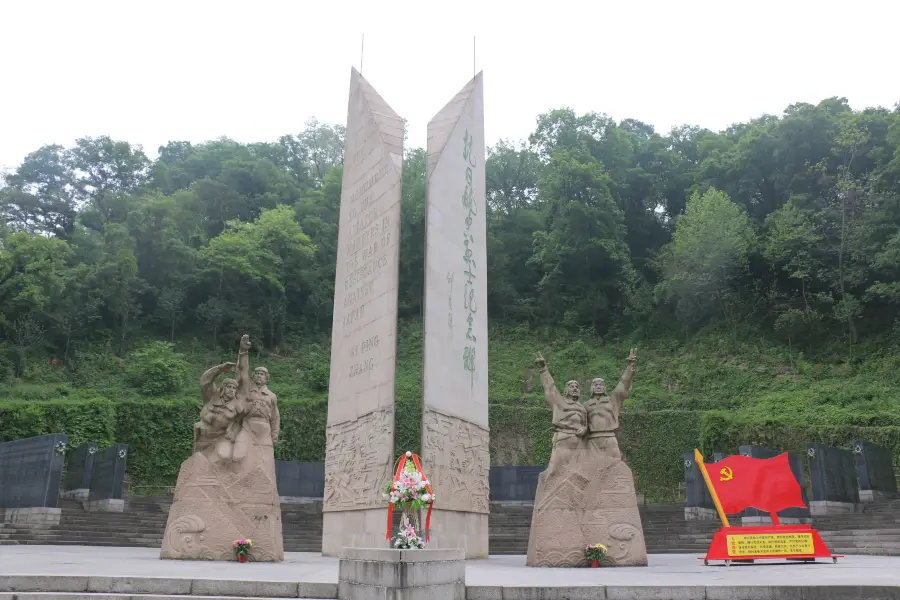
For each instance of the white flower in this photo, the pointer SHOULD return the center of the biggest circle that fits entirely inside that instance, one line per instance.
(426, 497)
(408, 454)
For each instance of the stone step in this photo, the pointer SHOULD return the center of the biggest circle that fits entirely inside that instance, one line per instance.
(89, 596)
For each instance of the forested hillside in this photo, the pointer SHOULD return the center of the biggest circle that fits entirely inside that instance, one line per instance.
(758, 267)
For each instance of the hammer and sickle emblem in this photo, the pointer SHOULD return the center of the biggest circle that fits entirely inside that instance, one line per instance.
(726, 474)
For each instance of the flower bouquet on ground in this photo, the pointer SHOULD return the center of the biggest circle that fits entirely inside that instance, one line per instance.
(242, 549)
(595, 554)
(410, 492)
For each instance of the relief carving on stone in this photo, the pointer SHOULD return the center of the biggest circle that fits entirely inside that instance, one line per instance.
(359, 455)
(586, 495)
(457, 460)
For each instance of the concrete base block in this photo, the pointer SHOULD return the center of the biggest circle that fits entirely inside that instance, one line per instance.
(875, 496)
(761, 520)
(109, 505)
(385, 574)
(827, 507)
(81, 494)
(640, 499)
(353, 529)
(40, 515)
(451, 529)
(697, 513)
(298, 500)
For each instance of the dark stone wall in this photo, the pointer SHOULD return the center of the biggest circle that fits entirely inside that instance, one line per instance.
(108, 473)
(31, 470)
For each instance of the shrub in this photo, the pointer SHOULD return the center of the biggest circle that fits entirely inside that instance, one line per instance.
(156, 369)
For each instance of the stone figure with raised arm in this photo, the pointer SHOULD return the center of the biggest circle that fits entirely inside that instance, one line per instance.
(262, 420)
(603, 411)
(227, 488)
(569, 418)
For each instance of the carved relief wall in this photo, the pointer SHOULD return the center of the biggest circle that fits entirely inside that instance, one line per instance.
(458, 459)
(359, 457)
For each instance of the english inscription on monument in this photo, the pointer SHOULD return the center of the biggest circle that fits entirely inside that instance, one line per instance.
(455, 444)
(359, 435)
(586, 495)
(227, 489)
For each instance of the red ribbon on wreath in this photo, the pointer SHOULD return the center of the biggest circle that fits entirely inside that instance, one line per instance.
(401, 463)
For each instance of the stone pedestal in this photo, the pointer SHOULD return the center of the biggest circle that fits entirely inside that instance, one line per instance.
(42, 516)
(385, 574)
(761, 520)
(583, 503)
(79, 495)
(828, 507)
(363, 527)
(466, 530)
(698, 513)
(214, 506)
(107, 505)
(875, 496)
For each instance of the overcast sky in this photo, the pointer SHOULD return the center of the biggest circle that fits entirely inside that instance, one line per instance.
(153, 71)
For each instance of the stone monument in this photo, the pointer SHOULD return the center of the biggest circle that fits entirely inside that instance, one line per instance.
(833, 479)
(455, 451)
(586, 496)
(30, 474)
(875, 471)
(227, 489)
(359, 433)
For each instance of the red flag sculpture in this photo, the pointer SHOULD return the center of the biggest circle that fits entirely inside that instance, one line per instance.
(764, 483)
(739, 482)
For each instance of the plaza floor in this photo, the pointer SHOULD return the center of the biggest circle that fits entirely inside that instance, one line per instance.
(87, 569)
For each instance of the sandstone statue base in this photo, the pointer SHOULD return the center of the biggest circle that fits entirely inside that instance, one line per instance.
(214, 506)
(583, 503)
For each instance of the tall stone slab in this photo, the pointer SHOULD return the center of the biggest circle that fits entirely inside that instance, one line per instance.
(107, 482)
(77, 481)
(30, 474)
(832, 473)
(698, 502)
(875, 471)
(455, 380)
(359, 435)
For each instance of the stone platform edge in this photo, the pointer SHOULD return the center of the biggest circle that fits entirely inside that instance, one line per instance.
(51, 587)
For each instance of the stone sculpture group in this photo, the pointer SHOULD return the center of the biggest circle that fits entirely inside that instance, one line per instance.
(586, 496)
(227, 490)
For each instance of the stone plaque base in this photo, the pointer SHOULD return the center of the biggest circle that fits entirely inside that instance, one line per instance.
(109, 505)
(80, 494)
(466, 530)
(698, 513)
(827, 507)
(589, 501)
(761, 520)
(354, 529)
(298, 500)
(384, 574)
(874, 496)
(33, 516)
